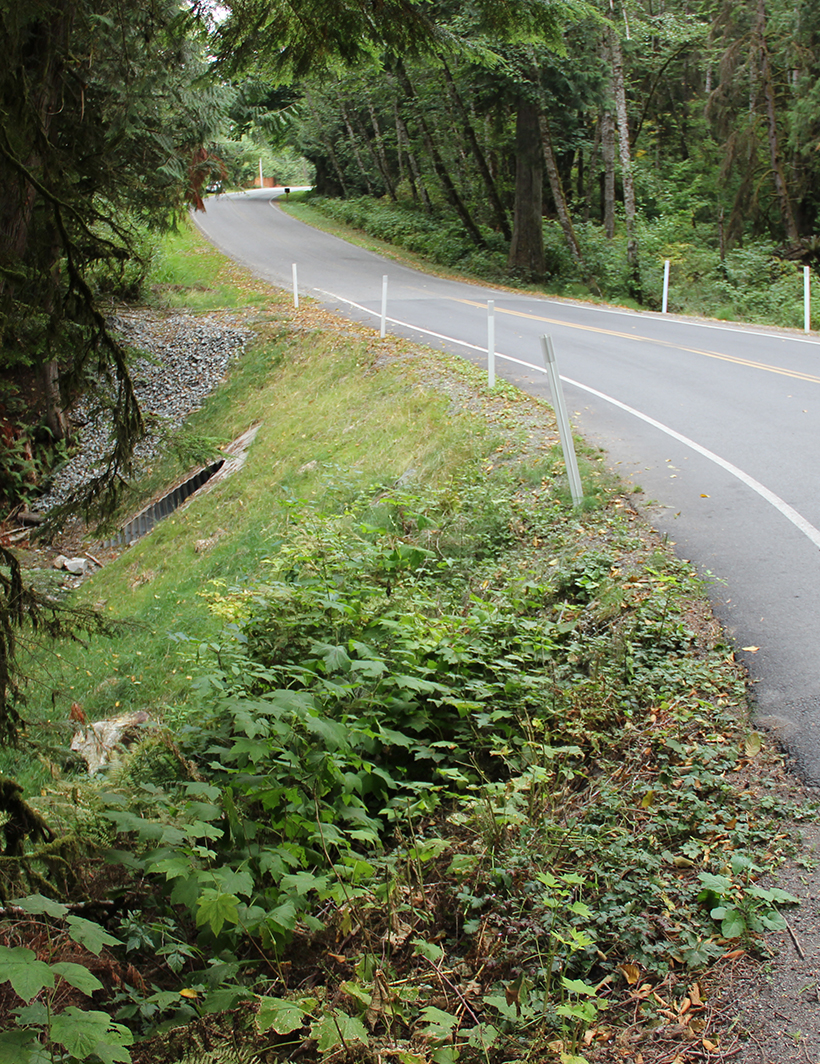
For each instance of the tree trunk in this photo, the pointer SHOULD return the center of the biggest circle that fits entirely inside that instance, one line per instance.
(625, 154)
(478, 155)
(380, 154)
(564, 219)
(608, 152)
(328, 145)
(355, 147)
(592, 172)
(526, 258)
(438, 163)
(50, 370)
(414, 171)
(786, 212)
(557, 189)
(40, 72)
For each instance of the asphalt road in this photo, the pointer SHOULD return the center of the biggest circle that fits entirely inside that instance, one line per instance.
(717, 423)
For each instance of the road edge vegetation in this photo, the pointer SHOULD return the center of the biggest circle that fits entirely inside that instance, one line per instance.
(440, 768)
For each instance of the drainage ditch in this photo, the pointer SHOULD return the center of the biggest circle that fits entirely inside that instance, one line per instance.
(145, 520)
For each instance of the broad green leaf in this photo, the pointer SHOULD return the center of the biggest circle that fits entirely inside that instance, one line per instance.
(333, 734)
(283, 917)
(90, 935)
(77, 976)
(202, 829)
(773, 921)
(223, 999)
(281, 1015)
(37, 905)
(172, 867)
(86, 1033)
(333, 1028)
(216, 910)
(438, 1022)
(235, 881)
(302, 882)
(733, 924)
(413, 683)
(28, 976)
(719, 884)
(775, 894)
(336, 658)
(431, 950)
(482, 1036)
(578, 986)
(33, 1015)
(463, 863)
(22, 1047)
(429, 849)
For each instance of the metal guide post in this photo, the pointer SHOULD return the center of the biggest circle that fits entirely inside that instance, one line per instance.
(665, 287)
(561, 416)
(807, 299)
(491, 343)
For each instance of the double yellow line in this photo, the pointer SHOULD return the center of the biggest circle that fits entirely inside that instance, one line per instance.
(650, 340)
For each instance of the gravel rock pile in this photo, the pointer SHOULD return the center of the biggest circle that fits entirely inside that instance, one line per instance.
(186, 358)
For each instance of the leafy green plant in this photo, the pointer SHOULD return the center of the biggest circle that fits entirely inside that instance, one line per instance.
(740, 906)
(42, 1032)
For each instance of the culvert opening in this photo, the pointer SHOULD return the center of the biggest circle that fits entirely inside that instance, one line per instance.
(145, 520)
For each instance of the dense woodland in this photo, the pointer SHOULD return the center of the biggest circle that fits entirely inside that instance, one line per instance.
(647, 132)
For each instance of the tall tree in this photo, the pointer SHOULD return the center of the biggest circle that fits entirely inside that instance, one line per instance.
(102, 132)
(526, 257)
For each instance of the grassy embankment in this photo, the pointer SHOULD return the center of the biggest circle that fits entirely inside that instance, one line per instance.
(448, 770)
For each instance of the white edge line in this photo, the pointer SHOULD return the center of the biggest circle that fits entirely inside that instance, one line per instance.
(797, 519)
(429, 332)
(787, 511)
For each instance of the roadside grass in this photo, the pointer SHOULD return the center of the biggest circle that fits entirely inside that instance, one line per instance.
(199, 279)
(328, 423)
(446, 770)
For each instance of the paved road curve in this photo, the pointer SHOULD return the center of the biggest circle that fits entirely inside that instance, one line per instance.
(719, 424)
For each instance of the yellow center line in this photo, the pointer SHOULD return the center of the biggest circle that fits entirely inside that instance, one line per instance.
(649, 340)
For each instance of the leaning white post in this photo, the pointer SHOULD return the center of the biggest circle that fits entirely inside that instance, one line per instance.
(384, 307)
(561, 416)
(807, 299)
(491, 343)
(665, 286)
(295, 288)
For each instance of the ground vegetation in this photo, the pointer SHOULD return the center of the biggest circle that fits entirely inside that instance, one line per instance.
(442, 770)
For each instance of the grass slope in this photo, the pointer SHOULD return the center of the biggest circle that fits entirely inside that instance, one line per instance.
(448, 771)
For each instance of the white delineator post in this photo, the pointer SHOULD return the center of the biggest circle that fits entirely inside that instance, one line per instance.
(665, 286)
(807, 299)
(561, 416)
(491, 343)
(383, 329)
(295, 288)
